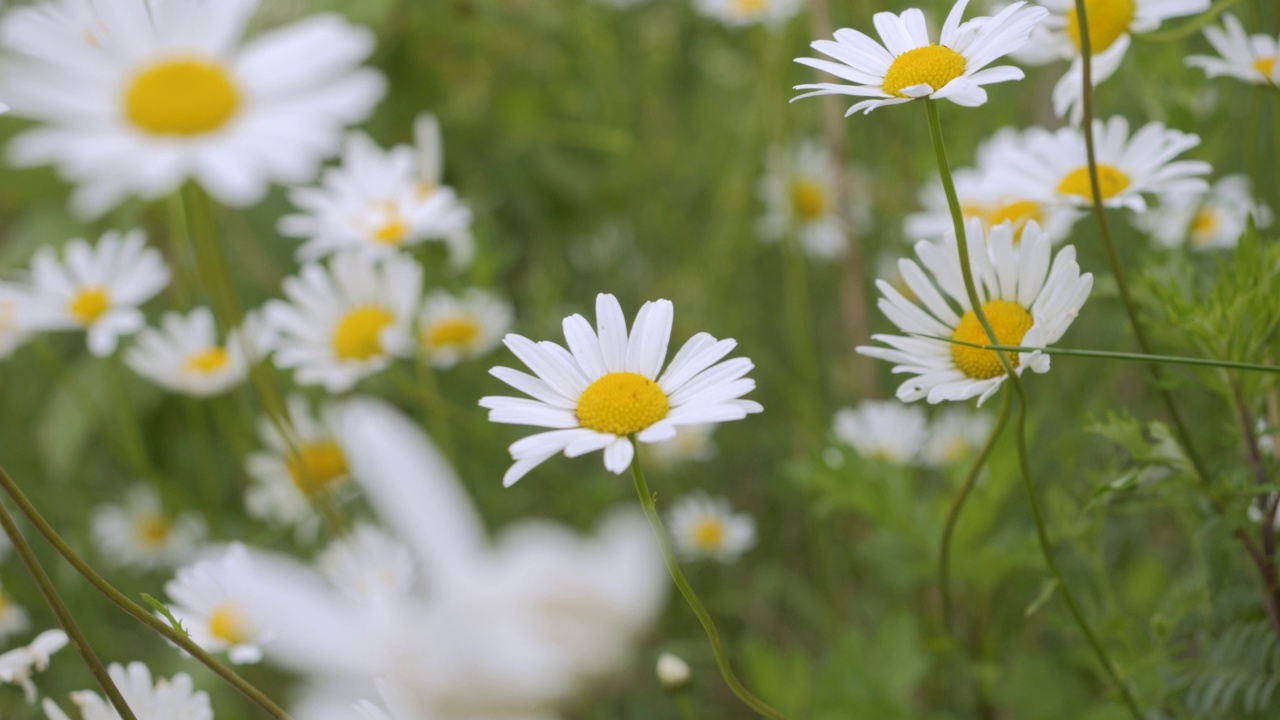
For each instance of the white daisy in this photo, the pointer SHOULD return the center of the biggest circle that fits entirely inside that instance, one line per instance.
(610, 387)
(138, 533)
(376, 201)
(285, 479)
(175, 699)
(883, 430)
(673, 672)
(707, 528)
(95, 288)
(136, 97)
(399, 704)
(344, 321)
(798, 193)
(19, 664)
(692, 443)
(1055, 167)
(741, 13)
(910, 66)
(368, 564)
(12, 334)
(1254, 59)
(1028, 303)
(1209, 220)
(429, 150)
(954, 435)
(184, 356)
(209, 601)
(454, 328)
(13, 617)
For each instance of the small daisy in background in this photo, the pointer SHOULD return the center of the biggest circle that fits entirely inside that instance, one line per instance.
(208, 599)
(909, 66)
(742, 13)
(1209, 220)
(19, 664)
(285, 480)
(368, 565)
(798, 190)
(611, 386)
(94, 288)
(12, 334)
(164, 97)
(345, 320)
(955, 434)
(183, 355)
(706, 528)
(428, 146)
(453, 328)
(692, 443)
(137, 533)
(13, 617)
(1255, 59)
(173, 699)
(886, 431)
(1028, 301)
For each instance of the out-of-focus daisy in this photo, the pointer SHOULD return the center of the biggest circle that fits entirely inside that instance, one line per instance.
(175, 699)
(1111, 25)
(184, 356)
(346, 320)
(13, 617)
(740, 13)
(375, 201)
(707, 528)
(12, 334)
(692, 443)
(95, 288)
(138, 533)
(1252, 58)
(954, 435)
(910, 66)
(399, 704)
(209, 601)
(673, 672)
(19, 664)
(798, 190)
(368, 564)
(1208, 220)
(1028, 302)
(610, 387)
(285, 478)
(135, 99)
(888, 431)
(428, 145)
(1055, 168)
(455, 328)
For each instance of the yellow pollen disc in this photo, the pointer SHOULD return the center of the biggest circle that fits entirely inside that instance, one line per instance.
(1019, 213)
(425, 188)
(357, 334)
(1111, 182)
(932, 65)
(1108, 20)
(808, 200)
(208, 362)
(1010, 322)
(455, 332)
(1266, 66)
(89, 304)
(709, 533)
(622, 403)
(228, 625)
(181, 97)
(317, 466)
(153, 530)
(750, 7)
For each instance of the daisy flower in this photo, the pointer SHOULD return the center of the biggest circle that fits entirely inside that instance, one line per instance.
(345, 321)
(455, 328)
(798, 193)
(175, 699)
(741, 13)
(954, 435)
(1208, 220)
(610, 386)
(368, 565)
(136, 97)
(184, 356)
(19, 664)
(13, 617)
(707, 528)
(692, 443)
(1254, 59)
(1029, 303)
(138, 533)
(887, 431)
(95, 288)
(1055, 168)
(673, 672)
(208, 600)
(910, 66)
(428, 145)
(12, 334)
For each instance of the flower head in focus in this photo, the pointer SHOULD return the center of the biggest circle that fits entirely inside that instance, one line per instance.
(183, 355)
(138, 533)
(19, 664)
(453, 328)
(707, 528)
(175, 699)
(210, 600)
(1255, 59)
(1206, 220)
(887, 431)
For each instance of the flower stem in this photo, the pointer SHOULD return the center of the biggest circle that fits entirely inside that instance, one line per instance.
(437, 412)
(63, 614)
(124, 603)
(673, 566)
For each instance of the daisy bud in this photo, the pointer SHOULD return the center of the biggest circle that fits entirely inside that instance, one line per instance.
(673, 673)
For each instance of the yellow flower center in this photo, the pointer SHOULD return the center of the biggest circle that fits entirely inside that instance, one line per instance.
(1010, 322)
(808, 200)
(425, 188)
(208, 362)
(932, 65)
(1111, 182)
(1205, 223)
(622, 403)
(183, 96)
(1266, 66)
(956, 449)
(456, 332)
(709, 533)
(227, 623)
(1108, 20)
(750, 7)
(1019, 213)
(153, 530)
(317, 466)
(89, 304)
(358, 335)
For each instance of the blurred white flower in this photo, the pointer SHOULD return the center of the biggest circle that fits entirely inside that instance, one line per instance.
(692, 443)
(429, 150)
(13, 617)
(183, 355)
(673, 672)
(883, 430)
(95, 288)
(1257, 515)
(175, 699)
(12, 334)
(137, 97)
(706, 528)
(798, 190)
(454, 328)
(1254, 59)
(19, 664)
(368, 564)
(956, 434)
(138, 533)
(345, 320)
(212, 601)
(740, 13)
(1207, 220)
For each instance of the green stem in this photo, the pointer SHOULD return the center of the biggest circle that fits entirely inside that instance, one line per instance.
(1110, 355)
(800, 324)
(677, 575)
(141, 614)
(686, 706)
(63, 614)
(437, 413)
(953, 515)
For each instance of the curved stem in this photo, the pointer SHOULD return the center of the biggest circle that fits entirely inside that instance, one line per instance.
(63, 614)
(677, 575)
(137, 611)
(953, 515)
